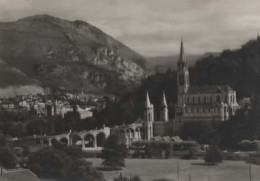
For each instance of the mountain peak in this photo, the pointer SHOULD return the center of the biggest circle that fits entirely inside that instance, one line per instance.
(49, 49)
(40, 18)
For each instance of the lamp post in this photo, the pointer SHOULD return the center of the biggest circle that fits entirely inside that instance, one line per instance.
(250, 174)
(178, 170)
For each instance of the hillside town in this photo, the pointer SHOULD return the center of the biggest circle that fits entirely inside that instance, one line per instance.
(46, 105)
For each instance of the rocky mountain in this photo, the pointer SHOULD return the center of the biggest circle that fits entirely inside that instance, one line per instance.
(69, 55)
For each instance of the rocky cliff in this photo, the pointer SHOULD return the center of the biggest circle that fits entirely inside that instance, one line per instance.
(69, 54)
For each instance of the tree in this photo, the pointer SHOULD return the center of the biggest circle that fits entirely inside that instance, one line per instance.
(3, 140)
(213, 155)
(199, 131)
(113, 153)
(243, 126)
(37, 125)
(82, 170)
(50, 163)
(62, 164)
(153, 149)
(7, 157)
(74, 151)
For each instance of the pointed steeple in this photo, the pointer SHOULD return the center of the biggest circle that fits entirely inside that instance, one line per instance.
(182, 72)
(164, 110)
(164, 103)
(147, 100)
(148, 118)
(182, 58)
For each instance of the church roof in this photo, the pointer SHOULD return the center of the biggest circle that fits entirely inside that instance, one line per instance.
(209, 89)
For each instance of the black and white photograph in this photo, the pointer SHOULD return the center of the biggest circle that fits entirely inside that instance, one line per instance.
(129, 90)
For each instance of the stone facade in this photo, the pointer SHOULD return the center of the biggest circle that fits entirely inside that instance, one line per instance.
(202, 103)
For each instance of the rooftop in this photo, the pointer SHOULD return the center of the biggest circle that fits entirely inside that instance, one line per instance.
(209, 89)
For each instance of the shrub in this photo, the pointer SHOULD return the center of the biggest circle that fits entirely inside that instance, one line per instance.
(7, 157)
(158, 149)
(213, 155)
(191, 153)
(26, 151)
(92, 154)
(82, 170)
(130, 178)
(138, 154)
(113, 153)
(73, 151)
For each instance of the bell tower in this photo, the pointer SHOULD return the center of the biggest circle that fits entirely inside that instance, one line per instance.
(183, 82)
(164, 110)
(148, 118)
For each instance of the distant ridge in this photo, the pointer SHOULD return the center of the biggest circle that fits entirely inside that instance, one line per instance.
(169, 62)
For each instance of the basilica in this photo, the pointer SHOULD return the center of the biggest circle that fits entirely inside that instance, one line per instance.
(202, 103)
(195, 104)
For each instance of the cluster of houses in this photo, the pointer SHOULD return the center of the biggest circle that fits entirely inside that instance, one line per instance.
(46, 105)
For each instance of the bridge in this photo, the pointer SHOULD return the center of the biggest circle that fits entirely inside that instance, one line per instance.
(94, 139)
(87, 140)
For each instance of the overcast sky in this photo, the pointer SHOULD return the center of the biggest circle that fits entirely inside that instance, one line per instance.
(155, 27)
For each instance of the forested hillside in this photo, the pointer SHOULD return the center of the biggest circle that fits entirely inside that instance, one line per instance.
(239, 68)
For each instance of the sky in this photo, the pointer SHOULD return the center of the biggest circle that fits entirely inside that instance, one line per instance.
(155, 27)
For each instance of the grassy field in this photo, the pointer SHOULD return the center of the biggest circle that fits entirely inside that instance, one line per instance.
(149, 169)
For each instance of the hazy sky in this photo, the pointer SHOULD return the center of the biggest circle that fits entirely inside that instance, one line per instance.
(154, 27)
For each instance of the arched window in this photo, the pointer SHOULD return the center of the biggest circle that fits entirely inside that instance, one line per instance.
(193, 99)
(205, 100)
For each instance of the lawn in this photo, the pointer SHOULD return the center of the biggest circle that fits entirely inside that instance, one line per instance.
(149, 169)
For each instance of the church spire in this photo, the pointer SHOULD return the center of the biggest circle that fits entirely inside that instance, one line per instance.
(164, 110)
(147, 100)
(182, 59)
(164, 103)
(148, 118)
(182, 72)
